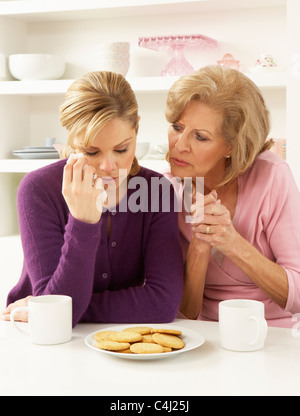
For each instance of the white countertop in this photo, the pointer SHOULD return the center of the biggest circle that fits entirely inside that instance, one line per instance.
(74, 369)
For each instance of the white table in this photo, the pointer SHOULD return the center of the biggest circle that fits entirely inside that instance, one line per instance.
(74, 369)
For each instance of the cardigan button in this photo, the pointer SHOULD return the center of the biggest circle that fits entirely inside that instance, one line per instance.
(104, 275)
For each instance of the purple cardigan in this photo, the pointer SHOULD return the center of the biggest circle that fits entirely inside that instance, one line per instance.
(136, 276)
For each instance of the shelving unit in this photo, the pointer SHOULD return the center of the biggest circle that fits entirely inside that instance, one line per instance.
(59, 87)
(29, 110)
(139, 85)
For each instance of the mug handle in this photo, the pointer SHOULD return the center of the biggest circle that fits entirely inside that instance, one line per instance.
(12, 317)
(262, 330)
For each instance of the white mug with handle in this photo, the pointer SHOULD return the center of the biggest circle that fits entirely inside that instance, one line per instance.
(49, 319)
(242, 325)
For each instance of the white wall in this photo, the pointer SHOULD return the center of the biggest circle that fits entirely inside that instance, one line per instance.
(11, 260)
(293, 92)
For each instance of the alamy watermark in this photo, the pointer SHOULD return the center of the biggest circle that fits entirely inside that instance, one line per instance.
(158, 194)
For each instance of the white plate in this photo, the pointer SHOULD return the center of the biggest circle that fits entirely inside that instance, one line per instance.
(37, 155)
(37, 148)
(192, 340)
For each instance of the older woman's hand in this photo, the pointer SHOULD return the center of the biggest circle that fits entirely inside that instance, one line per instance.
(20, 316)
(216, 227)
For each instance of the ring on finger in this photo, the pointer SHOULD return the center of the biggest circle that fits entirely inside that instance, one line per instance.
(208, 229)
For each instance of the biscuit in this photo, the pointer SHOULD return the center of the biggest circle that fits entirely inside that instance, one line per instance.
(170, 331)
(146, 348)
(143, 330)
(147, 338)
(112, 345)
(102, 335)
(126, 336)
(170, 341)
(127, 351)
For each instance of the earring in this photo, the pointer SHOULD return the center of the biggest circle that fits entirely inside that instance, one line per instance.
(227, 157)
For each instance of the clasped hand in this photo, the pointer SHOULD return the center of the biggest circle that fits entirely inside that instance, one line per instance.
(212, 223)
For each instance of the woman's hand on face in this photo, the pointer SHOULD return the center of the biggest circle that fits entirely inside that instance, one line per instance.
(216, 227)
(19, 316)
(82, 191)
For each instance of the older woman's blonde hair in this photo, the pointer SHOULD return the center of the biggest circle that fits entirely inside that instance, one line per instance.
(92, 101)
(246, 120)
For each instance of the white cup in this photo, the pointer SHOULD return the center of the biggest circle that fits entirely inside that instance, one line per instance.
(49, 319)
(242, 325)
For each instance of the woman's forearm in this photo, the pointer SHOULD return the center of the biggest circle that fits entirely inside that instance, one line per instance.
(194, 280)
(270, 277)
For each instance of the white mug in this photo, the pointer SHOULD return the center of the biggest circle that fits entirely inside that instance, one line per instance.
(242, 325)
(49, 319)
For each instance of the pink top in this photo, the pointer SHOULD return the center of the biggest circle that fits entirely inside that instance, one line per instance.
(268, 216)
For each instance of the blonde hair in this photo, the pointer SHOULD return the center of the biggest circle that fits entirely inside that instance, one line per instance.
(92, 101)
(246, 120)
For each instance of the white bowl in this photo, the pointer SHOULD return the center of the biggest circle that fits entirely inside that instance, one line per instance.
(36, 66)
(118, 66)
(142, 149)
(114, 55)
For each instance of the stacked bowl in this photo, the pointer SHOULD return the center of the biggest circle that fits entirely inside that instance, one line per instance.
(36, 66)
(114, 57)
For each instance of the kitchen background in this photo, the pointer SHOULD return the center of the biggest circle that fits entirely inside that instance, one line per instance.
(75, 30)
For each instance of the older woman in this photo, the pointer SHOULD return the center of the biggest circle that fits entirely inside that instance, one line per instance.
(119, 260)
(247, 245)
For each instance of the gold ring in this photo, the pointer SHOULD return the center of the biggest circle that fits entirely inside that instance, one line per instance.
(208, 229)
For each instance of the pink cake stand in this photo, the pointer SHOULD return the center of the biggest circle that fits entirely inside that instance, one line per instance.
(178, 64)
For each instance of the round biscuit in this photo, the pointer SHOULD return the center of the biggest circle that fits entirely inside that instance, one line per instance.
(170, 341)
(103, 335)
(146, 348)
(169, 331)
(147, 338)
(127, 351)
(126, 337)
(143, 330)
(112, 345)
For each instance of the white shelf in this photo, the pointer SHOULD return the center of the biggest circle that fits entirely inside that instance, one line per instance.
(48, 10)
(25, 166)
(54, 87)
(269, 80)
(141, 84)
(34, 87)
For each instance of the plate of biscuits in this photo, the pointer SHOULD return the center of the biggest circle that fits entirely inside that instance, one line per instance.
(144, 342)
